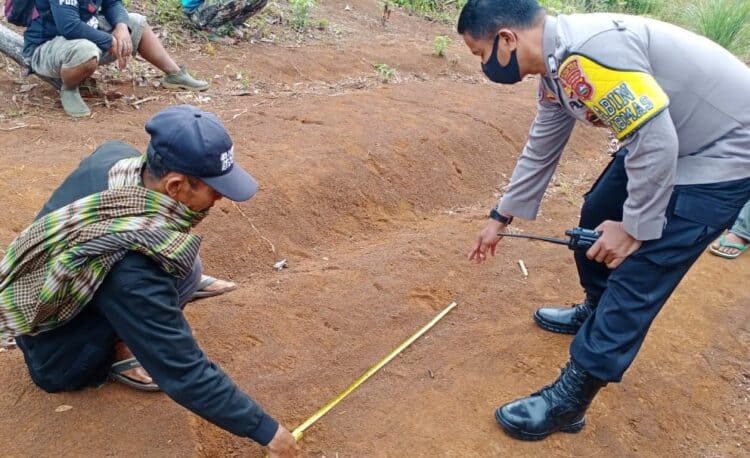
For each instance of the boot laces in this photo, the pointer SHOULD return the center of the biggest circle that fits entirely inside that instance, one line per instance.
(582, 311)
(566, 387)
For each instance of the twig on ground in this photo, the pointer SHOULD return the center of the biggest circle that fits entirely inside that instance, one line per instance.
(239, 114)
(523, 268)
(273, 248)
(144, 100)
(20, 126)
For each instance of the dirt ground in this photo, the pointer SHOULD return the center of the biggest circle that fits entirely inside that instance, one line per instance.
(373, 192)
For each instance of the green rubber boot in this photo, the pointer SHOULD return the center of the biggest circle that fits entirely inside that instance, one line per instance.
(73, 103)
(183, 81)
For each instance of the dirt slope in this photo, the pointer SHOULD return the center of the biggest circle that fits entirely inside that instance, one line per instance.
(373, 193)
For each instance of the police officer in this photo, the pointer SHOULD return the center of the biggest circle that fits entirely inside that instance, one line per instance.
(677, 103)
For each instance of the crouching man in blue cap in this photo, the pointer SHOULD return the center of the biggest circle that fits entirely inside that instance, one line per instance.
(110, 262)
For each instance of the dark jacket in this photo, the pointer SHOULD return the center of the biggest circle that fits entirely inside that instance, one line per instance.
(137, 302)
(69, 18)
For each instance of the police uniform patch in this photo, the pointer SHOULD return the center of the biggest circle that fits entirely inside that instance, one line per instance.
(624, 100)
(575, 80)
(544, 94)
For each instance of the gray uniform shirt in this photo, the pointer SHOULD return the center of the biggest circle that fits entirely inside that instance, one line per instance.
(701, 135)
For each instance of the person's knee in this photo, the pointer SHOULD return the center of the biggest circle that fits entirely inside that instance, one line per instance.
(48, 385)
(138, 25)
(589, 214)
(84, 56)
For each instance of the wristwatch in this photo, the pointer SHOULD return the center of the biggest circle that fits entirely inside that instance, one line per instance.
(494, 214)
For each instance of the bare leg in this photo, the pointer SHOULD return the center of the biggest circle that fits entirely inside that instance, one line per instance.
(153, 51)
(122, 352)
(73, 76)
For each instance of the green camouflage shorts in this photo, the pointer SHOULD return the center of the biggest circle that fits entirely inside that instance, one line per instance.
(212, 14)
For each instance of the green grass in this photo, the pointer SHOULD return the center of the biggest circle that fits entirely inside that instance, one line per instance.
(300, 10)
(386, 72)
(723, 21)
(727, 22)
(441, 44)
(440, 10)
(639, 7)
(166, 11)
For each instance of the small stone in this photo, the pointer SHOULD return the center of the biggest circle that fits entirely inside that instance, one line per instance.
(63, 408)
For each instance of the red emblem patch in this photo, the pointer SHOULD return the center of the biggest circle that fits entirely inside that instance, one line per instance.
(594, 120)
(575, 80)
(91, 8)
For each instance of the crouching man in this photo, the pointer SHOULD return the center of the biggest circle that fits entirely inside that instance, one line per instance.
(110, 262)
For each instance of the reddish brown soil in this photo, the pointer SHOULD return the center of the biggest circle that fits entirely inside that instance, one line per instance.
(373, 193)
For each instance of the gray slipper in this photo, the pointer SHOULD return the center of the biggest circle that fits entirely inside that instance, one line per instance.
(116, 372)
(207, 280)
(73, 103)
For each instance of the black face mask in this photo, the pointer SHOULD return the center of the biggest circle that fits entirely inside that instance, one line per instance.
(509, 74)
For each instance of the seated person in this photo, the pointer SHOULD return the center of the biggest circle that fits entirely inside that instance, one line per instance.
(110, 262)
(70, 38)
(214, 14)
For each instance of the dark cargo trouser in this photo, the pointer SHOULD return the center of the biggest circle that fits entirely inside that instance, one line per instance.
(630, 297)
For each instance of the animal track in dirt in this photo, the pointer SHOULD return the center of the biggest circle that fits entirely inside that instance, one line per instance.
(428, 297)
(251, 340)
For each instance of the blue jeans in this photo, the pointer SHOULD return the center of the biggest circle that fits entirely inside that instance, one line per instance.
(742, 225)
(629, 297)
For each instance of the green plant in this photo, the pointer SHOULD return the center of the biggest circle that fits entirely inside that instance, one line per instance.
(723, 21)
(386, 73)
(261, 24)
(563, 7)
(441, 44)
(301, 13)
(322, 24)
(442, 10)
(167, 11)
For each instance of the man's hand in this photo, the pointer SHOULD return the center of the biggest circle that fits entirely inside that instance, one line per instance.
(282, 445)
(113, 48)
(613, 246)
(121, 35)
(486, 241)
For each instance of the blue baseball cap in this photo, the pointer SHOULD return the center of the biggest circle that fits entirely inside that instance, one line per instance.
(195, 143)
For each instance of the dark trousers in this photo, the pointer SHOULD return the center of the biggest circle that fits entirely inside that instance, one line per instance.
(629, 297)
(79, 353)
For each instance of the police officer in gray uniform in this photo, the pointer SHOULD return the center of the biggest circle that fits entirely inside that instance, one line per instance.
(678, 103)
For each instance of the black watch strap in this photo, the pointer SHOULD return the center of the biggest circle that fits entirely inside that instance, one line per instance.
(494, 214)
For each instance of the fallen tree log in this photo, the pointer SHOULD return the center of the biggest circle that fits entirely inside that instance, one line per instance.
(11, 44)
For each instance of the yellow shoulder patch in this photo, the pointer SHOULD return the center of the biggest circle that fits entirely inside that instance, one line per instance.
(624, 100)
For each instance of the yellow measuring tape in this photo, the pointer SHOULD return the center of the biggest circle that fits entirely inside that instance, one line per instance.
(299, 431)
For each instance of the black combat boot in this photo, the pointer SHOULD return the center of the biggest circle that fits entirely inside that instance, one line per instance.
(557, 407)
(564, 320)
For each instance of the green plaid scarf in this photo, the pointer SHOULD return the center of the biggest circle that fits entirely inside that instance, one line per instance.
(54, 267)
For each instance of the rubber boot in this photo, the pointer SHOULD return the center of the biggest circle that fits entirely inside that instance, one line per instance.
(564, 320)
(182, 80)
(557, 407)
(73, 103)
